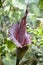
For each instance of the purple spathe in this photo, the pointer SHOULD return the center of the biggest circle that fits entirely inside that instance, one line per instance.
(18, 34)
(14, 35)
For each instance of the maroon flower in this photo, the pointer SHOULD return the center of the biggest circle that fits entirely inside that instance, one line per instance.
(18, 33)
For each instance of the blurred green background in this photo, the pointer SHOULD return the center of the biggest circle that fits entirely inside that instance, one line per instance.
(11, 11)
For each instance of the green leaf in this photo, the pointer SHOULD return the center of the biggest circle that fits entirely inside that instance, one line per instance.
(10, 44)
(39, 63)
(9, 61)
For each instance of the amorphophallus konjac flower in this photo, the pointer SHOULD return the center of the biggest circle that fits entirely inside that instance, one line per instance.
(18, 34)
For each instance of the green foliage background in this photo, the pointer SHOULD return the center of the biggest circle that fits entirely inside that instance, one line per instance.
(11, 11)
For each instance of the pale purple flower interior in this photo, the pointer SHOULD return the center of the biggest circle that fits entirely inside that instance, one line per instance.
(17, 37)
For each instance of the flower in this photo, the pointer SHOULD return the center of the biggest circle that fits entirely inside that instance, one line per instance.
(18, 34)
